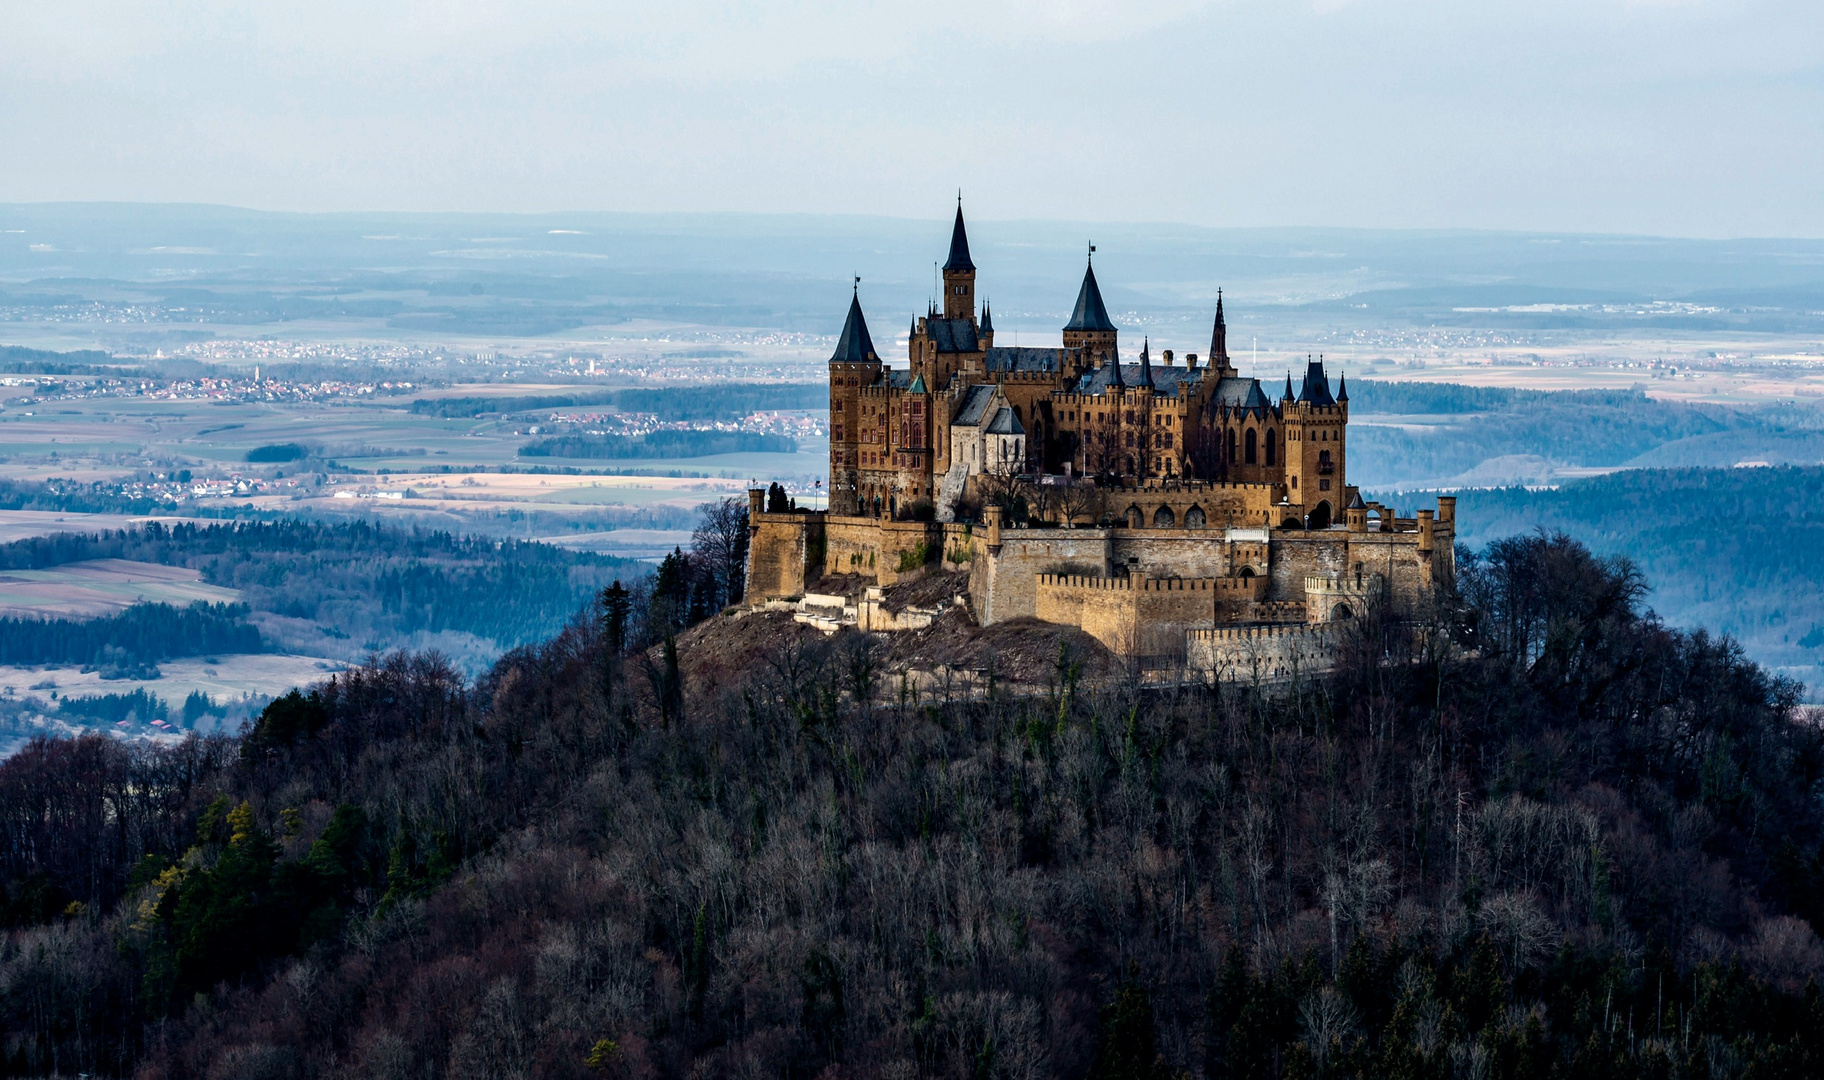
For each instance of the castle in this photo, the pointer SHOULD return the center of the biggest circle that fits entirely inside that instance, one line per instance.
(1170, 508)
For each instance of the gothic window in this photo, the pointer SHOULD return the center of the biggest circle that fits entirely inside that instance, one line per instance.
(1248, 447)
(1272, 447)
(1231, 444)
(1163, 518)
(1193, 518)
(1135, 519)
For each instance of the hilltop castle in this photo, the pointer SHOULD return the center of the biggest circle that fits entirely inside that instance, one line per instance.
(1167, 507)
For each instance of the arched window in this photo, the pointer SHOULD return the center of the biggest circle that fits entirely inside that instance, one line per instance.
(1248, 447)
(1163, 518)
(1272, 447)
(1341, 612)
(1320, 516)
(1231, 444)
(1135, 519)
(1193, 518)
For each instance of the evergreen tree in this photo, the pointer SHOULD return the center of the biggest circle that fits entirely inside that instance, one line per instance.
(1129, 1047)
(617, 605)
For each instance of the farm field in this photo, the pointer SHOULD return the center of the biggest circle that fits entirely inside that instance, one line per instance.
(224, 679)
(102, 587)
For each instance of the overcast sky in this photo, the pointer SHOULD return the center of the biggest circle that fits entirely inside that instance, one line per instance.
(1681, 117)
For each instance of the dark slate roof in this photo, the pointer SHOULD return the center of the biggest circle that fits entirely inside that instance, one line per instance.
(959, 245)
(974, 404)
(1090, 314)
(898, 378)
(1166, 380)
(1023, 358)
(1005, 423)
(855, 346)
(1356, 503)
(1316, 390)
(953, 335)
(1242, 394)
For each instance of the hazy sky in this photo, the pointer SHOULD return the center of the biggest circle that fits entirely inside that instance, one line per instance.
(1688, 117)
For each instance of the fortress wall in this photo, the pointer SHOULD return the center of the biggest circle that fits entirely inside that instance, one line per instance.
(1298, 555)
(1412, 570)
(1199, 553)
(1247, 653)
(1138, 615)
(870, 546)
(782, 550)
(1003, 584)
(852, 545)
(961, 543)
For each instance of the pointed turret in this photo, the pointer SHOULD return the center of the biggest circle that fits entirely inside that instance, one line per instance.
(1090, 314)
(959, 245)
(959, 272)
(1115, 380)
(987, 319)
(1289, 395)
(1146, 363)
(1342, 389)
(855, 346)
(1219, 337)
(1316, 390)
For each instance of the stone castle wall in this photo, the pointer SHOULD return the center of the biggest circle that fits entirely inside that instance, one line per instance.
(1140, 591)
(1247, 653)
(783, 552)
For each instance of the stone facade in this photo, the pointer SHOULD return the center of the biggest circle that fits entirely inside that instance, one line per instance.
(911, 442)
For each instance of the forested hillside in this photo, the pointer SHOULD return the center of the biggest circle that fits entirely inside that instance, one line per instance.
(1730, 549)
(358, 582)
(1566, 841)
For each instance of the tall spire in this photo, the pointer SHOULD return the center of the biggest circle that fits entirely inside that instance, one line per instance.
(855, 346)
(1289, 395)
(959, 243)
(1342, 389)
(1219, 337)
(1090, 313)
(987, 319)
(1146, 363)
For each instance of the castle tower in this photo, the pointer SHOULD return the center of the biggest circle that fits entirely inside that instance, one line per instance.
(959, 272)
(1316, 461)
(1089, 330)
(853, 365)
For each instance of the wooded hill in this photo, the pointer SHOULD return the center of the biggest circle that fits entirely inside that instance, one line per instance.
(1566, 841)
(368, 583)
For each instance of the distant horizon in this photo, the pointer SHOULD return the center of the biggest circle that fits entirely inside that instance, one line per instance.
(942, 218)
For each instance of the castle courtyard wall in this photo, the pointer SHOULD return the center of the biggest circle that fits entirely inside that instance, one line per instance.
(782, 551)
